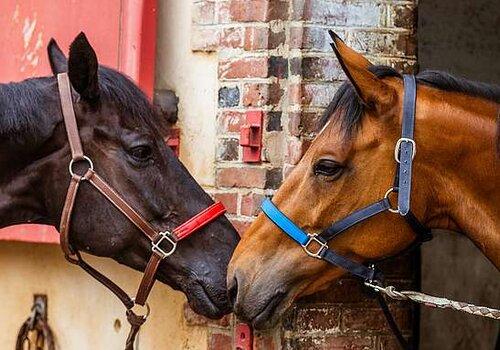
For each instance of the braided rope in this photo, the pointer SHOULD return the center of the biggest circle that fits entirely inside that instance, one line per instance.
(437, 302)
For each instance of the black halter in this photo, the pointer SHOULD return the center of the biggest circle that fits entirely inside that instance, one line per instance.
(404, 153)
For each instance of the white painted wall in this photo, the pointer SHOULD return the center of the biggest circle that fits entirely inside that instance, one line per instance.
(193, 77)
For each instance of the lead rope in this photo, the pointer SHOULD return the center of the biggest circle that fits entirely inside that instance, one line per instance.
(436, 302)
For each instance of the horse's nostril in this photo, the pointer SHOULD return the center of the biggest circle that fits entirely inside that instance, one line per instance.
(233, 291)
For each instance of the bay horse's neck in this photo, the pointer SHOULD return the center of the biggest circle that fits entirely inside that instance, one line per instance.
(459, 166)
(29, 114)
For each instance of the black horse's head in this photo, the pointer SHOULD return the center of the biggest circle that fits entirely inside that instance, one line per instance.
(124, 137)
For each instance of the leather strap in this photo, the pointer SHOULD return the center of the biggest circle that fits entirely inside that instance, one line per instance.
(113, 197)
(351, 266)
(148, 279)
(392, 322)
(355, 218)
(69, 116)
(406, 147)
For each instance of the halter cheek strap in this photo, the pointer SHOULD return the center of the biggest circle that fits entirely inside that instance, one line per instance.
(157, 238)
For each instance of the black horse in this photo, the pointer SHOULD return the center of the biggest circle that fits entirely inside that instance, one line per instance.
(122, 134)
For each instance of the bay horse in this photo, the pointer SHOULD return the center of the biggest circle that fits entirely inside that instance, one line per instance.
(124, 137)
(350, 164)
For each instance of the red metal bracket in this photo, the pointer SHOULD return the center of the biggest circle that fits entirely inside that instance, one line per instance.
(243, 337)
(251, 137)
(174, 140)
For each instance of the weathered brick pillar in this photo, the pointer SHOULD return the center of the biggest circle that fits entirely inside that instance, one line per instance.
(274, 56)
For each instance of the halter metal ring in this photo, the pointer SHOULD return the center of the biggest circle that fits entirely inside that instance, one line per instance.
(386, 196)
(73, 161)
(398, 146)
(322, 245)
(156, 245)
(148, 309)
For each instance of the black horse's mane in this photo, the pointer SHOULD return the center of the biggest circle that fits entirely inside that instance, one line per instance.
(25, 106)
(347, 100)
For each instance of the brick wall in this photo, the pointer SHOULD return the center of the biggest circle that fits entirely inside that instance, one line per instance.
(274, 56)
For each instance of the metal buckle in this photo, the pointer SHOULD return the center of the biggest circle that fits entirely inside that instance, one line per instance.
(312, 238)
(156, 245)
(398, 145)
(73, 161)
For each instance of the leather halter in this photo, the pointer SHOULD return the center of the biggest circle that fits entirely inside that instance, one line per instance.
(157, 238)
(404, 153)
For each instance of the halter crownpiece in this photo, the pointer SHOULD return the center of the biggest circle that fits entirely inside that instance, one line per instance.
(158, 239)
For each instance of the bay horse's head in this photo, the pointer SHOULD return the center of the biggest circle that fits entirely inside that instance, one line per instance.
(349, 165)
(125, 139)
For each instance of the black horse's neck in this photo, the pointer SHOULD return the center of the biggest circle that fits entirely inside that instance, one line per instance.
(29, 114)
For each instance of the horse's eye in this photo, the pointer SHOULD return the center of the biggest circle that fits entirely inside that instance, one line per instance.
(141, 153)
(328, 167)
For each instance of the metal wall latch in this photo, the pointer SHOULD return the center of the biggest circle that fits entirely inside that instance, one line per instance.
(251, 137)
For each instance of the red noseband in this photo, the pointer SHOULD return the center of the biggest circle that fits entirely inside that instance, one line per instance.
(198, 221)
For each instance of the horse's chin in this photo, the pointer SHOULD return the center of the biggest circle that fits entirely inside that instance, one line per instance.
(198, 298)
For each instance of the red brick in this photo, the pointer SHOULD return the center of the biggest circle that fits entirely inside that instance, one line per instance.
(230, 121)
(222, 12)
(276, 39)
(241, 225)
(343, 14)
(404, 16)
(294, 121)
(261, 94)
(317, 95)
(241, 177)
(204, 39)
(230, 201)
(249, 11)
(345, 290)
(332, 343)
(193, 319)
(317, 319)
(373, 319)
(220, 341)
(244, 68)
(264, 342)
(250, 204)
(256, 38)
(232, 37)
(296, 34)
(295, 150)
(204, 12)
(278, 9)
(294, 94)
(389, 342)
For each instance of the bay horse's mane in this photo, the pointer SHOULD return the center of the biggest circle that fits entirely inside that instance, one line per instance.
(347, 100)
(25, 105)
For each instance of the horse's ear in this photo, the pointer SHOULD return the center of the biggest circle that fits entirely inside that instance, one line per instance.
(371, 90)
(57, 60)
(82, 68)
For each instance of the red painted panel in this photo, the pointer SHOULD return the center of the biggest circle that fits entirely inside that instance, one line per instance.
(123, 33)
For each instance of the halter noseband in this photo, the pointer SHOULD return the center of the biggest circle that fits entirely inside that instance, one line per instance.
(157, 238)
(404, 153)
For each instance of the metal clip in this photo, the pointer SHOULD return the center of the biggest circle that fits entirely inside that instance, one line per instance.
(313, 238)
(156, 245)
